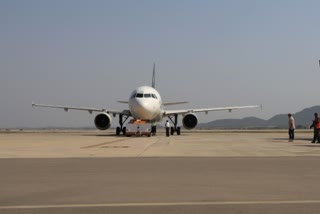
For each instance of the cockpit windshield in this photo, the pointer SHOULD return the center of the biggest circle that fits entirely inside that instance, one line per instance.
(140, 95)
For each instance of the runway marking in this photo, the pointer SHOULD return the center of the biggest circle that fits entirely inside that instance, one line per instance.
(159, 204)
(102, 144)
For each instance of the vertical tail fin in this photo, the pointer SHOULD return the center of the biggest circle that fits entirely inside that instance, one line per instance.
(154, 76)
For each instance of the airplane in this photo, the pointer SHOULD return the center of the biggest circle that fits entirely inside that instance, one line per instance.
(145, 104)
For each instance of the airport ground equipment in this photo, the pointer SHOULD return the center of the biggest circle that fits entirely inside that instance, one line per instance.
(138, 128)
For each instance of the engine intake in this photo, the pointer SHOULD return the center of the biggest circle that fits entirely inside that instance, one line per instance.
(190, 121)
(103, 121)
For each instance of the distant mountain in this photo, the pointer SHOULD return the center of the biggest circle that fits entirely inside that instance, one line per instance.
(303, 120)
(248, 122)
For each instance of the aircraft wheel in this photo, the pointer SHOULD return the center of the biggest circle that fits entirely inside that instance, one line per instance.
(178, 130)
(118, 130)
(124, 130)
(153, 130)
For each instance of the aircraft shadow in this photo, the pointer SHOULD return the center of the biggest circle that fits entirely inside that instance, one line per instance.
(102, 135)
(286, 139)
(310, 145)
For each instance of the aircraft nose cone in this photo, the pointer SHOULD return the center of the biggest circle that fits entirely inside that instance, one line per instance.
(144, 110)
(145, 106)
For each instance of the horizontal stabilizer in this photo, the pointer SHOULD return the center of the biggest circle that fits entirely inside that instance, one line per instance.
(175, 103)
(124, 102)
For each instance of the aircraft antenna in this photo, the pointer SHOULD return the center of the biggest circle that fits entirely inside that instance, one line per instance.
(154, 76)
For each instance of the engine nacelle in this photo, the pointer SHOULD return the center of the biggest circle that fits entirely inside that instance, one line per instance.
(190, 121)
(103, 121)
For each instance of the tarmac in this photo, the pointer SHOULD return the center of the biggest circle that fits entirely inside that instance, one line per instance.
(196, 172)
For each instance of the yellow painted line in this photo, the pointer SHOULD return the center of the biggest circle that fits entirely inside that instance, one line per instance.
(159, 204)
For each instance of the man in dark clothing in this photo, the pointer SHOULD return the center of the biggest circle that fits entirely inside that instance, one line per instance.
(316, 128)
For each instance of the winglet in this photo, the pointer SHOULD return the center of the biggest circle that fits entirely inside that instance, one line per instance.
(154, 76)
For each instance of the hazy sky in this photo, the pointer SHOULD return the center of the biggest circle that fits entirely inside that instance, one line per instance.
(210, 53)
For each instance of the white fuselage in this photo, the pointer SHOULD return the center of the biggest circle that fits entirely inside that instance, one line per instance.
(145, 104)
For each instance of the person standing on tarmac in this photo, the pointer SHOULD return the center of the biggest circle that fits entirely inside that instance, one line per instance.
(316, 128)
(292, 126)
(167, 125)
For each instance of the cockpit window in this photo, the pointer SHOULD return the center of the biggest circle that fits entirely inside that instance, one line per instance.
(133, 96)
(139, 95)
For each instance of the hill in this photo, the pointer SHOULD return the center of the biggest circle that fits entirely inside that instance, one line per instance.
(303, 120)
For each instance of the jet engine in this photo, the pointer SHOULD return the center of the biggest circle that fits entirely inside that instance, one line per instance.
(103, 121)
(189, 121)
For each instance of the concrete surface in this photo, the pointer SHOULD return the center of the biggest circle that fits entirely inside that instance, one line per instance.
(203, 144)
(211, 172)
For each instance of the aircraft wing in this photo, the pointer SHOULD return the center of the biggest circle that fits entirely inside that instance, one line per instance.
(90, 110)
(206, 110)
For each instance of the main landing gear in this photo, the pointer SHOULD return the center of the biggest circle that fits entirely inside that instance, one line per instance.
(153, 130)
(175, 128)
(122, 120)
